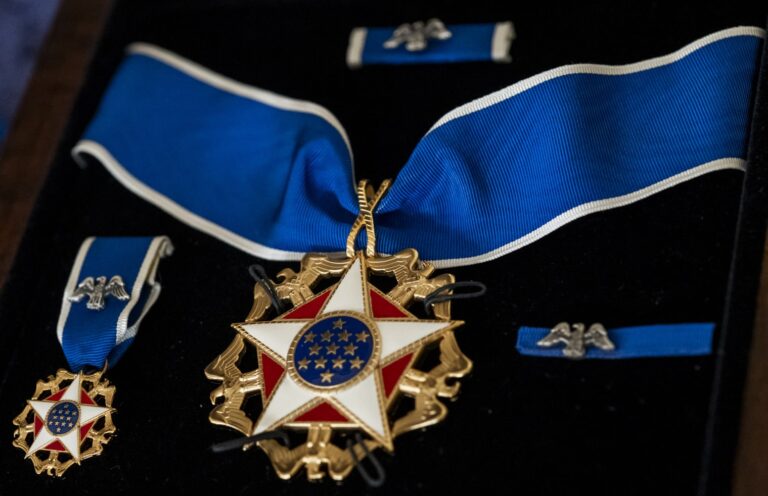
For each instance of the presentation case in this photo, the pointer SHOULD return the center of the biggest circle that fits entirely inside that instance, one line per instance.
(521, 424)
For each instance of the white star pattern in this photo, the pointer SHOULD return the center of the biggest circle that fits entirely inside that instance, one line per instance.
(362, 401)
(71, 438)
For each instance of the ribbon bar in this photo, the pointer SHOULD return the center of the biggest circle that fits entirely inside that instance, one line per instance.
(430, 42)
(111, 288)
(689, 339)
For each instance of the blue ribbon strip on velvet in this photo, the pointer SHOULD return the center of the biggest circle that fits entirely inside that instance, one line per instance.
(688, 339)
(467, 43)
(95, 337)
(273, 175)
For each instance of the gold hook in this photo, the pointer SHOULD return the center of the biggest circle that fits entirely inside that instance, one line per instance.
(367, 200)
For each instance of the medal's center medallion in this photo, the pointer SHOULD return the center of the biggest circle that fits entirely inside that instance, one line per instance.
(63, 417)
(335, 351)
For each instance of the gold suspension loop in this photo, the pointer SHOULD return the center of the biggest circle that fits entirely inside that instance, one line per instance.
(367, 200)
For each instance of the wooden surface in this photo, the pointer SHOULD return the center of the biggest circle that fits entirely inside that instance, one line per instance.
(44, 111)
(40, 120)
(751, 469)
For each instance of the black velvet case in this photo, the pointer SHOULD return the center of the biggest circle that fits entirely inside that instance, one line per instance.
(521, 425)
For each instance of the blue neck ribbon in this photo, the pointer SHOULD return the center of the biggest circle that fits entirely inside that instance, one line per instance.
(99, 319)
(273, 176)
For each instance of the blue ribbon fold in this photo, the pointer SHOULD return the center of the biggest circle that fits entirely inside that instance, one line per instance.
(92, 337)
(273, 176)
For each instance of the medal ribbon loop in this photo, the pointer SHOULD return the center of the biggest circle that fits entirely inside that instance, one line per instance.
(112, 286)
(368, 200)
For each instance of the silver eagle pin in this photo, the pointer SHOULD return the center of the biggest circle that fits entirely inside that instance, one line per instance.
(416, 35)
(97, 290)
(576, 339)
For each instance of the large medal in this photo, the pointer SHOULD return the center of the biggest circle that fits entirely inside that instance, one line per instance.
(336, 364)
(69, 417)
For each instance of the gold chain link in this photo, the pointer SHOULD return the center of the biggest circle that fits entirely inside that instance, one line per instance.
(367, 200)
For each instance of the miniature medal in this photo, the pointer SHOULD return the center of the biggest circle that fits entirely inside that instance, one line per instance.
(69, 417)
(334, 366)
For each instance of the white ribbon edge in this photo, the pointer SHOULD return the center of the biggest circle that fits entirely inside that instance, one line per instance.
(604, 70)
(174, 209)
(355, 48)
(268, 253)
(503, 36)
(159, 248)
(74, 275)
(596, 206)
(229, 85)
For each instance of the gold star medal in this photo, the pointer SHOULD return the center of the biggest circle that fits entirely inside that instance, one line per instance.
(69, 417)
(333, 367)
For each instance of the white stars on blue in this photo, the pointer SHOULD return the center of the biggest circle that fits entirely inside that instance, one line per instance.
(63, 417)
(333, 350)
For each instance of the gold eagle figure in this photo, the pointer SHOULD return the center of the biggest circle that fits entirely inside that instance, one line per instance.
(413, 280)
(234, 387)
(427, 387)
(317, 451)
(296, 287)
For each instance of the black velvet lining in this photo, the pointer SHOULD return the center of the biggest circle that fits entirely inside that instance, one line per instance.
(521, 424)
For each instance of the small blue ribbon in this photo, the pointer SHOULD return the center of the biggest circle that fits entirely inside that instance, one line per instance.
(93, 337)
(273, 176)
(464, 43)
(689, 339)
